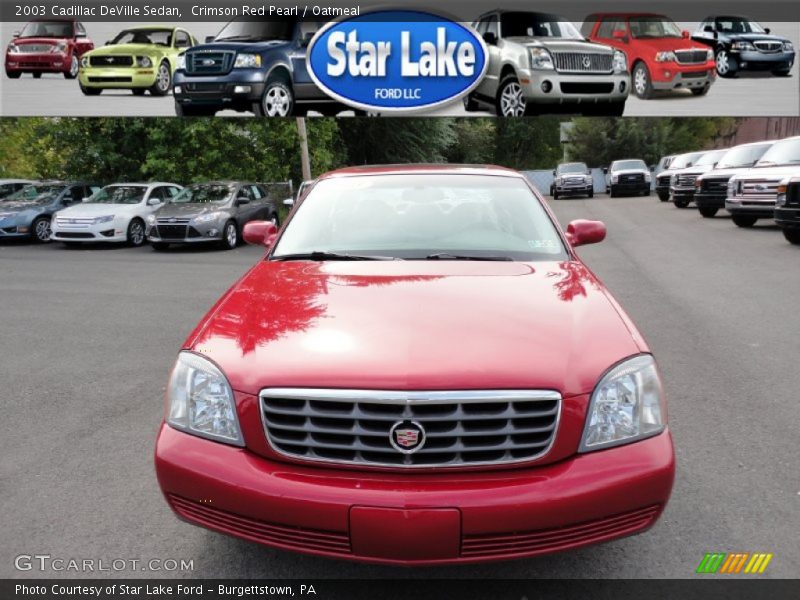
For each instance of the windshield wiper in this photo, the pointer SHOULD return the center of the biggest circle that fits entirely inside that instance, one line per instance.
(446, 256)
(320, 256)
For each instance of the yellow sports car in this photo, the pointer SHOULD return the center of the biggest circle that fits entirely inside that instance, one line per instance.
(138, 59)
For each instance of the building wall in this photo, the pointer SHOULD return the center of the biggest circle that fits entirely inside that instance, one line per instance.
(757, 129)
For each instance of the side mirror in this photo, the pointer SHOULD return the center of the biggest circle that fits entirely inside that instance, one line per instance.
(685, 34)
(288, 202)
(652, 167)
(605, 170)
(85, 199)
(260, 233)
(708, 29)
(242, 200)
(582, 232)
(490, 37)
(554, 172)
(15, 34)
(153, 202)
(108, 42)
(767, 30)
(210, 38)
(80, 34)
(620, 36)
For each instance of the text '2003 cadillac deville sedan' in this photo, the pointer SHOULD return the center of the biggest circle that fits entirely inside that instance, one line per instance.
(342, 398)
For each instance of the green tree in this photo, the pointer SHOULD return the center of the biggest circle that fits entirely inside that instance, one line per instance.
(397, 140)
(528, 143)
(475, 141)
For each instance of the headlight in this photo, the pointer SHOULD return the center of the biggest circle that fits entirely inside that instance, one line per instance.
(648, 178)
(144, 62)
(181, 62)
(207, 218)
(151, 219)
(626, 405)
(13, 49)
(620, 63)
(781, 198)
(743, 45)
(698, 183)
(710, 55)
(614, 178)
(787, 46)
(103, 219)
(59, 48)
(200, 401)
(541, 59)
(247, 61)
(85, 61)
(668, 56)
(673, 180)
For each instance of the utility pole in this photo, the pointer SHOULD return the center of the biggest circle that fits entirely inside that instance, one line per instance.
(305, 161)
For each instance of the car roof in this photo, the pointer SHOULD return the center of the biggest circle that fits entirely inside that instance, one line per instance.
(143, 183)
(598, 15)
(427, 169)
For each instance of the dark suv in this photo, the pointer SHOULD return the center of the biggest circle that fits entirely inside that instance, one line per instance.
(256, 66)
(740, 44)
(787, 209)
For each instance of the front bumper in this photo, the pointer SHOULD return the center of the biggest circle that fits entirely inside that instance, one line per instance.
(756, 208)
(709, 200)
(46, 62)
(574, 89)
(238, 89)
(682, 193)
(764, 61)
(421, 518)
(122, 78)
(185, 233)
(567, 189)
(787, 217)
(629, 188)
(672, 76)
(100, 232)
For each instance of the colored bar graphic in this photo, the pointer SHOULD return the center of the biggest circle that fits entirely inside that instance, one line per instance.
(734, 563)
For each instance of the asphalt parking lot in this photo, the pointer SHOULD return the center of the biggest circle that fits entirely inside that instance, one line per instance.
(89, 336)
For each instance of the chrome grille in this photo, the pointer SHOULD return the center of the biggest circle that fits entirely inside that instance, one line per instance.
(685, 180)
(111, 61)
(582, 62)
(768, 47)
(209, 62)
(664, 180)
(461, 428)
(34, 48)
(758, 189)
(172, 220)
(632, 178)
(715, 186)
(76, 221)
(691, 57)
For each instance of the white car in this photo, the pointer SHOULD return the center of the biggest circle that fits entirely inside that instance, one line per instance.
(117, 213)
(630, 176)
(752, 194)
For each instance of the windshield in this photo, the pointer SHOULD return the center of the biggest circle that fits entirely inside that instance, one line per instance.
(738, 25)
(161, 37)
(256, 31)
(418, 216)
(684, 160)
(654, 27)
(624, 165)
(572, 168)
(204, 194)
(785, 152)
(710, 158)
(119, 194)
(525, 24)
(742, 156)
(35, 191)
(53, 29)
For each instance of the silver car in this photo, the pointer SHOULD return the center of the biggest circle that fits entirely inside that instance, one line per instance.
(536, 59)
(210, 212)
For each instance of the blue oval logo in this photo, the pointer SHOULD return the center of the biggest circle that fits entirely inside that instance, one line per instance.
(397, 60)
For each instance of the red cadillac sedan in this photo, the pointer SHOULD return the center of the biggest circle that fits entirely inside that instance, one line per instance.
(420, 371)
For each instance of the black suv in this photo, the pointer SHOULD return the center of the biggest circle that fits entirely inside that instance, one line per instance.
(256, 66)
(787, 209)
(740, 44)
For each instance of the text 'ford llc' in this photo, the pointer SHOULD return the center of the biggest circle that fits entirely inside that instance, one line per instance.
(368, 59)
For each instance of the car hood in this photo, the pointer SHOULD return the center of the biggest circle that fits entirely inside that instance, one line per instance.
(754, 37)
(725, 172)
(665, 44)
(415, 325)
(38, 40)
(630, 172)
(560, 45)
(12, 206)
(91, 209)
(128, 49)
(189, 209)
(769, 172)
(693, 170)
(241, 46)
